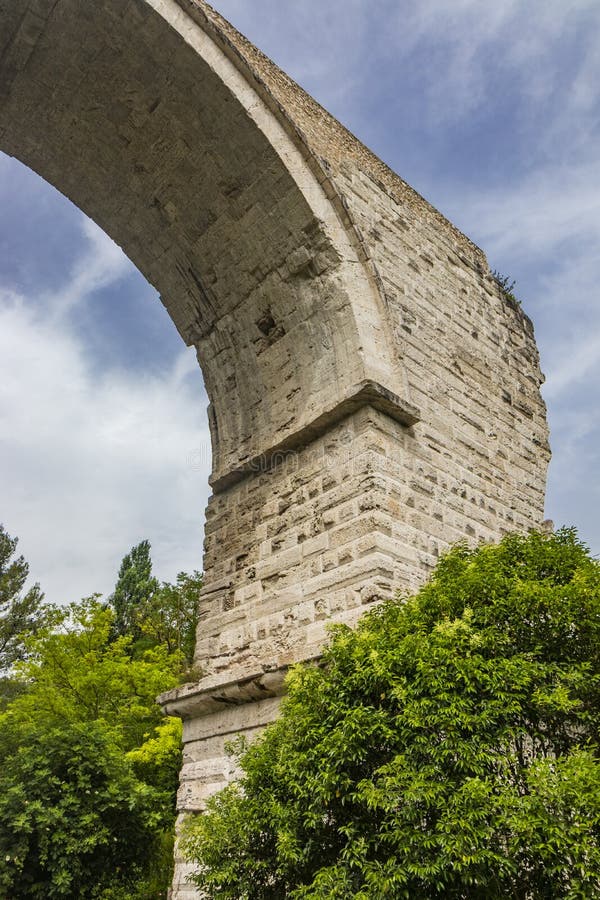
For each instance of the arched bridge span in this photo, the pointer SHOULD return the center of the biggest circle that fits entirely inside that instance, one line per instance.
(374, 395)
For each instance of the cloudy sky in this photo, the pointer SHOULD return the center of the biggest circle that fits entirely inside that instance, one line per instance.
(491, 110)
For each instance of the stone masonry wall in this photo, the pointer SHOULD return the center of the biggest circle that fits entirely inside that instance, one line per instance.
(362, 511)
(469, 352)
(319, 538)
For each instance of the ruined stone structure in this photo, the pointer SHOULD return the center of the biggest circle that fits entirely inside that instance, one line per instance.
(374, 395)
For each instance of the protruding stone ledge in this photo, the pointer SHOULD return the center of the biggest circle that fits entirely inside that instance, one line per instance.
(214, 694)
(366, 393)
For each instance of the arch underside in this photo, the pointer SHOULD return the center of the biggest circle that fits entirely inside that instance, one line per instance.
(135, 113)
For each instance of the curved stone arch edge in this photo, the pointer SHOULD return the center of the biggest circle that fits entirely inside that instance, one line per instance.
(309, 172)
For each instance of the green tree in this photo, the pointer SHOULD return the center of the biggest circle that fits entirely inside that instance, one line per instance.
(158, 760)
(448, 747)
(134, 588)
(153, 612)
(22, 613)
(77, 673)
(74, 820)
(89, 768)
(169, 615)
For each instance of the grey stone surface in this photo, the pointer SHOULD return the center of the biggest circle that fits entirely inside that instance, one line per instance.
(374, 394)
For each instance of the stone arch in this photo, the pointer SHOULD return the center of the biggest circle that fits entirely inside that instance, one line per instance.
(143, 116)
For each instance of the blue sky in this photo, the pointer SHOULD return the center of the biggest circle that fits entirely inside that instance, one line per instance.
(490, 110)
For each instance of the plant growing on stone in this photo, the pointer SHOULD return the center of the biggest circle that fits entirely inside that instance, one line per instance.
(507, 286)
(448, 747)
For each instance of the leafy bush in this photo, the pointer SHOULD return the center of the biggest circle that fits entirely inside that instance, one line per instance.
(73, 817)
(448, 747)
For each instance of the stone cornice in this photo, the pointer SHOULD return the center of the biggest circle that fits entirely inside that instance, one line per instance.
(215, 693)
(367, 393)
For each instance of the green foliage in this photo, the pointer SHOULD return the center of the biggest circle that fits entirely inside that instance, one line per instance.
(158, 761)
(169, 615)
(21, 613)
(135, 586)
(90, 769)
(448, 747)
(77, 673)
(73, 818)
(154, 613)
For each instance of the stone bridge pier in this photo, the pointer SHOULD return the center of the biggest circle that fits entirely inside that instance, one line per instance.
(374, 395)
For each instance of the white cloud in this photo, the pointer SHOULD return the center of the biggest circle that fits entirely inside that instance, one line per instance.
(569, 315)
(538, 212)
(101, 265)
(93, 464)
(466, 48)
